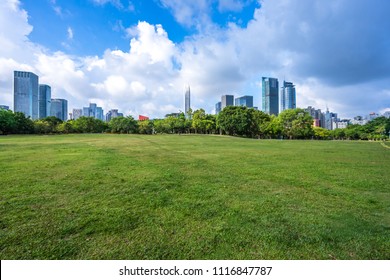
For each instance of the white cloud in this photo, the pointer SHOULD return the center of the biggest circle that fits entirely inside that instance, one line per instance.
(230, 5)
(116, 3)
(70, 33)
(190, 13)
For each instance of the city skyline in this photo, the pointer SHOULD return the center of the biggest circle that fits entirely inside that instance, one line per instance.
(143, 53)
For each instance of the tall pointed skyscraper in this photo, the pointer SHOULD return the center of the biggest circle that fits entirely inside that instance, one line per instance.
(187, 101)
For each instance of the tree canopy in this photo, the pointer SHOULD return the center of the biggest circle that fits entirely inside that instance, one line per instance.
(232, 120)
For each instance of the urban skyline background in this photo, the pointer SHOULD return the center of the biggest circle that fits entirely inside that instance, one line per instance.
(35, 101)
(138, 55)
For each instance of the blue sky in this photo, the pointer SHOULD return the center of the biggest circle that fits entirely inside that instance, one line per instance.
(138, 56)
(90, 27)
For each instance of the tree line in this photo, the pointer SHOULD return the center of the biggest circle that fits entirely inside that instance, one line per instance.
(232, 120)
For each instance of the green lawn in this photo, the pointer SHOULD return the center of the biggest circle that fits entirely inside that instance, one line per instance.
(192, 197)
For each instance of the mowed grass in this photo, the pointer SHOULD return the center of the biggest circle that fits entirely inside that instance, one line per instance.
(192, 197)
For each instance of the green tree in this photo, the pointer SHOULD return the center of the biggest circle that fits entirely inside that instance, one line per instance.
(274, 128)
(296, 124)
(42, 127)
(123, 125)
(53, 122)
(321, 133)
(353, 132)
(260, 123)
(198, 118)
(161, 126)
(89, 125)
(24, 125)
(235, 120)
(7, 122)
(66, 127)
(145, 127)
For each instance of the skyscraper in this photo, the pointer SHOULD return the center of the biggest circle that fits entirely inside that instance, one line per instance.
(26, 93)
(114, 113)
(44, 100)
(218, 108)
(227, 100)
(270, 96)
(59, 109)
(93, 111)
(99, 113)
(330, 119)
(288, 96)
(246, 101)
(187, 101)
(77, 113)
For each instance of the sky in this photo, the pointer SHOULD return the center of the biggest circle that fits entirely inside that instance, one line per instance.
(139, 56)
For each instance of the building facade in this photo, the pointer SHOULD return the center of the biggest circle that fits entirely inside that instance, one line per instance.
(113, 114)
(93, 111)
(270, 96)
(59, 109)
(218, 109)
(288, 97)
(26, 93)
(246, 101)
(317, 115)
(187, 101)
(77, 113)
(227, 100)
(330, 120)
(143, 118)
(4, 107)
(44, 100)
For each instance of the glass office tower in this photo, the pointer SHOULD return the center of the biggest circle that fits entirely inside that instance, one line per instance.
(44, 101)
(26, 93)
(270, 96)
(288, 96)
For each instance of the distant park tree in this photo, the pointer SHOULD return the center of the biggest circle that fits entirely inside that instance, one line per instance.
(89, 125)
(235, 120)
(123, 125)
(296, 124)
(24, 125)
(7, 122)
(145, 127)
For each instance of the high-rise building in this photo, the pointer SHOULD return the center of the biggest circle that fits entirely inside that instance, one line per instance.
(317, 115)
(44, 100)
(227, 100)
(26, 93)
(270, 96)
(77, 113)
(4, 107)
(59, 109)
(287, 97)
(187, 101)
(330, 120)
(99, 113)
(218, 108)
(113, 114)
(246, 101)
(93, 111)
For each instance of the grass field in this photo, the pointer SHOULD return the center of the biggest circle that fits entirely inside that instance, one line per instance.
(192, 197)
